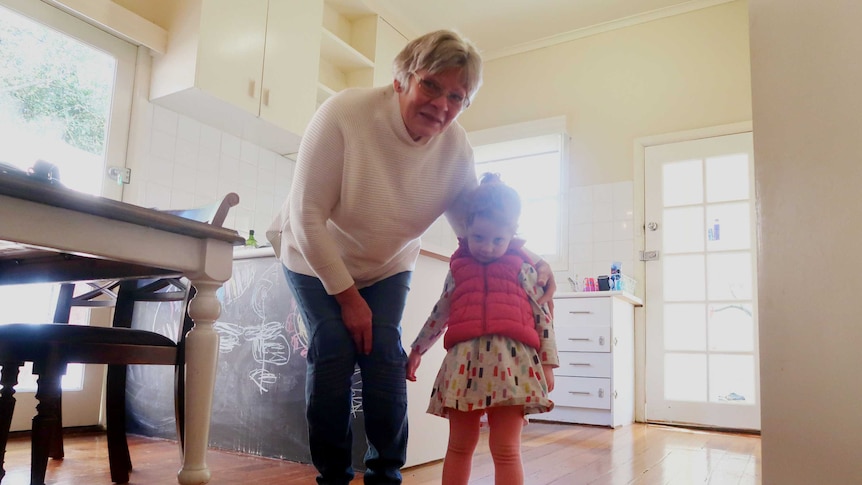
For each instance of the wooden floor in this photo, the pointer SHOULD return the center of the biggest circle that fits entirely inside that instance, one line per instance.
(552, 453)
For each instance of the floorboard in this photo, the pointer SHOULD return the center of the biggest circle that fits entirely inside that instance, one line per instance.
(553, 454)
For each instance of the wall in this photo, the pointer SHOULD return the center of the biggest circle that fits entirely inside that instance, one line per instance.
(178, 162)
(806, 102)
(669, 75)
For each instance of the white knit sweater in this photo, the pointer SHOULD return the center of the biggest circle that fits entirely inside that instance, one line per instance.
(364, 192)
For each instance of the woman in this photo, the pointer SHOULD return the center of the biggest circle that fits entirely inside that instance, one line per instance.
(376, 167)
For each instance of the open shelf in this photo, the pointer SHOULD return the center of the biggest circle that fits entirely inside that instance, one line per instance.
(338, 53)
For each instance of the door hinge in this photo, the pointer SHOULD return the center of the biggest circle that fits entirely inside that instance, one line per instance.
(121, 175)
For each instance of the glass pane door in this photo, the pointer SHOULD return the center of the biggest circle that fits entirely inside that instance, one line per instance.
(65, 103)
(702, 359)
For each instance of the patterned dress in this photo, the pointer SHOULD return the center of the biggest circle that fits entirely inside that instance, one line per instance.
(491, 370)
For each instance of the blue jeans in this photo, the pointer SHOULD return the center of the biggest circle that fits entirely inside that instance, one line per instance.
(332, 357)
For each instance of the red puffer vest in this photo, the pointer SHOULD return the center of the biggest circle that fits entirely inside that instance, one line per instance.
(489, 299)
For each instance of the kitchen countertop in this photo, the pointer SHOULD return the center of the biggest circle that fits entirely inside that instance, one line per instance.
(244, 252)
(594, 294)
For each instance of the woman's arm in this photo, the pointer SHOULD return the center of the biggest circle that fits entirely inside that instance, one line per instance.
(315, 192)
(542, 316)
(545, 278)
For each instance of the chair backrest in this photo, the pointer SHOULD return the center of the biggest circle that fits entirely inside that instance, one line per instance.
(214, 214)
(101, 294)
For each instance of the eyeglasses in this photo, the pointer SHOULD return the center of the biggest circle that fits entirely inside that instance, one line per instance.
(433, 90)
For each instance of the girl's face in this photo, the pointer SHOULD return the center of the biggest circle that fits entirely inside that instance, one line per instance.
(429, 102)
(488, 240)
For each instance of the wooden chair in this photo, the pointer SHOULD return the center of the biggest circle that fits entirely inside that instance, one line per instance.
(48, 347)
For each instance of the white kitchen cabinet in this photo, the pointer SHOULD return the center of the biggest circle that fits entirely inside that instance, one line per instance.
(288, 96)
(389, 44)
(595, 341)
(248, 68)
(258, 69)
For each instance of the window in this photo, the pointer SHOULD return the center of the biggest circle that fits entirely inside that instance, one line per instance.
(531, 158)
(65, 95)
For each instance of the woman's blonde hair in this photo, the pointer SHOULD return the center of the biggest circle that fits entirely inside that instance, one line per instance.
(436, 52)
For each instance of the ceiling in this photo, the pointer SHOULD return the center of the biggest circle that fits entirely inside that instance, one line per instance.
(505, 27)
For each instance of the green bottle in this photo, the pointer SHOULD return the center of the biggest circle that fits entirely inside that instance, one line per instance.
(251, 242)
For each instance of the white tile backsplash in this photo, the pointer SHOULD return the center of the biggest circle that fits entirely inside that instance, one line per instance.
(601, 231)
(184, 163)
(189, 130)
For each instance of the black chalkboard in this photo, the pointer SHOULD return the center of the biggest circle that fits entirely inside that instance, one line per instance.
(259, 398)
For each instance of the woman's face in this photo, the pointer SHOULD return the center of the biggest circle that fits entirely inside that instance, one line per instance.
(430, 102)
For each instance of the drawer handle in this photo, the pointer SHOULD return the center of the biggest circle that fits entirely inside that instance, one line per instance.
(580, 363)
(580, 312)
(580, 339)
(587, 393)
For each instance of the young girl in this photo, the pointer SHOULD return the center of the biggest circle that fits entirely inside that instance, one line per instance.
(500, 343)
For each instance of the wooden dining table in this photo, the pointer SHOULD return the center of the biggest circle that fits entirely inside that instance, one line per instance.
(50, 233)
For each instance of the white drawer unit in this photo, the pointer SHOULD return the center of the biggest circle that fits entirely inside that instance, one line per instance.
(595, 340)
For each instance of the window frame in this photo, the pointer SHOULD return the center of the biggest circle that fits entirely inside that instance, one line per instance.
(533, 129)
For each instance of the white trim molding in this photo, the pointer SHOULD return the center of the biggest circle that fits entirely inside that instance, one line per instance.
(118, 21)
(601, 28)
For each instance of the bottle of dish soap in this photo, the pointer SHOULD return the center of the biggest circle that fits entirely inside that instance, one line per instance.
(251, 242)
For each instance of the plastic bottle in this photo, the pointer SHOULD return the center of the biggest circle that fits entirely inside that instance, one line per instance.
(715, 230)
(251, 242)
(616, 267)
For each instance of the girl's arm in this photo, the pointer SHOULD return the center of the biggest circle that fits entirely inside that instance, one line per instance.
(436, 323)
(434, 327)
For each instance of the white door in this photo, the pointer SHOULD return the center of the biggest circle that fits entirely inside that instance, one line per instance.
(701, 292)
(65, 98)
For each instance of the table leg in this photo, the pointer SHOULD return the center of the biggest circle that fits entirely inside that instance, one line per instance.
(201, 360)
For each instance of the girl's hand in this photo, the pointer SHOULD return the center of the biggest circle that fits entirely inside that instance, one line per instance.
(549, 376)
(412, 364)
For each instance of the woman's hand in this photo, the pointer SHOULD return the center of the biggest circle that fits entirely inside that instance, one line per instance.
(545, 279)
(356, 315)
(549, 376)
(413, 362)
